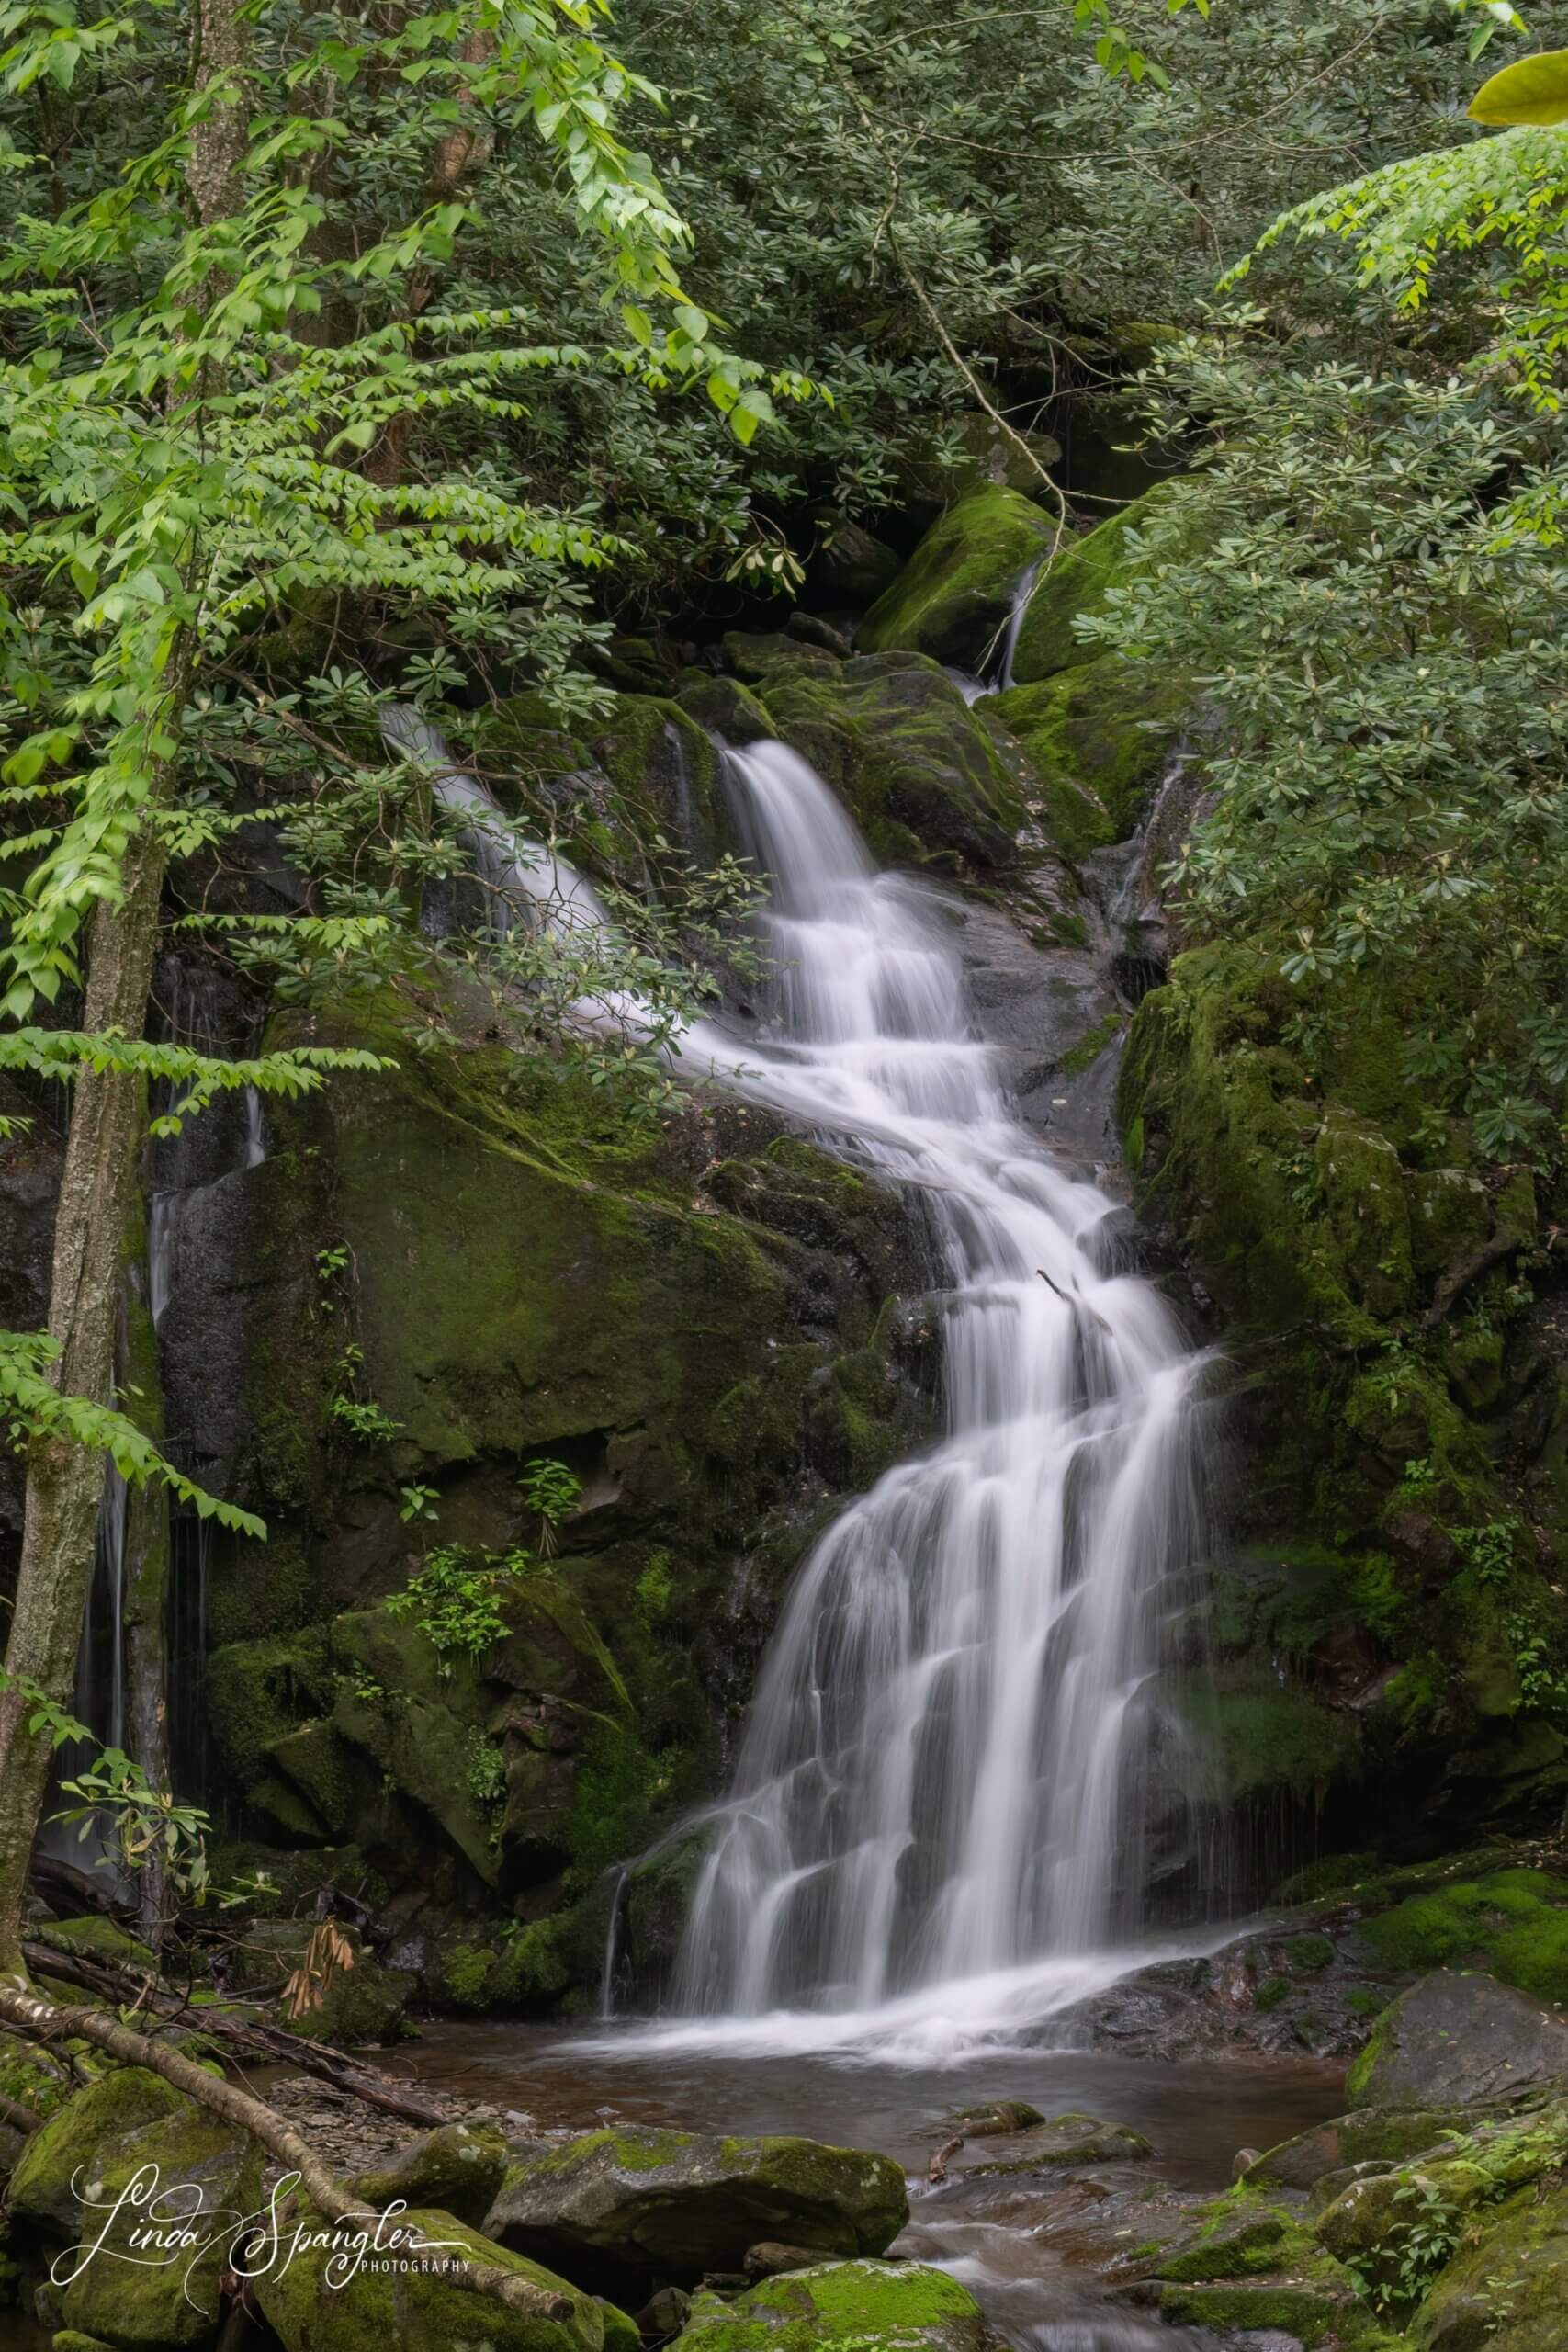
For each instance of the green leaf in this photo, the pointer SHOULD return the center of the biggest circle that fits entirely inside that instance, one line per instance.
(1534, 90)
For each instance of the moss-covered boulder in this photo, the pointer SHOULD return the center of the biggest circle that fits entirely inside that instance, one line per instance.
(458, 2167)
(360, 2000)
(1096, 735)
(897, 2307)
(1077, 583)
(1310, 2315)
(953, 596)
(1512, 1923)
(1461, 2042)
(396, 2296)
(621, 2207)
(1387, 2136)
(629, 799)
(131, 2125)
(916, 766)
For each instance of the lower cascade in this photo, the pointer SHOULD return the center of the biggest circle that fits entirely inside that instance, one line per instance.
(944, 1771)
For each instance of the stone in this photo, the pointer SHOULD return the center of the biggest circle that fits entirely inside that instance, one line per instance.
(983, 2122)
(97, 1938)
(458, 2167)
(1506, 2288)
(389, 2304)
(1071, 2140)
(896, 2307)
(918, 769)
(1464, 2040)
(953, 597)
(1078, 584)
(768, 2259)
(1386, 2135)
(129, 2122)
(624, 2207)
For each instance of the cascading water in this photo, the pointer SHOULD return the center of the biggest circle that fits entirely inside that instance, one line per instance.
(941, 1778)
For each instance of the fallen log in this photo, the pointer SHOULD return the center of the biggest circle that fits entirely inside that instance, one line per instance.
(334, 2201)
(257, 2043)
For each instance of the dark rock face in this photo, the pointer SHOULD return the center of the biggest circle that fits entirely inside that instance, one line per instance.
(1460, 2041)
(620, 2207)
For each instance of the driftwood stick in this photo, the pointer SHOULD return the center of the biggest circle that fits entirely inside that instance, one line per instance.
(326, 2193)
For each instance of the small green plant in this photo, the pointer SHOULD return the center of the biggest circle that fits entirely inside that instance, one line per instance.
(551, 1489)
(655, 1589)
(455, 1600)
(361, 1417)
(417, 1502)
(361, 1684)
(1401, 2268)
(486, 1770)
(1489, 1550)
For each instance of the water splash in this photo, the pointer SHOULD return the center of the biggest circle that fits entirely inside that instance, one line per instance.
(943, 1778)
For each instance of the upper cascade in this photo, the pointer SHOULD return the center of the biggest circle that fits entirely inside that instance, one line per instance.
(942, 1773)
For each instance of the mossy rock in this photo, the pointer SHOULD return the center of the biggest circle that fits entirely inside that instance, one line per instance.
(1311, 2315)
(1254, 1736)
(919, 770)
(361, 2003)
(1078, 583)
(1097, 736)
(1513, 1923)
(390, 2302)
(896, 2307)
(1506, 2288)
(129, 2121)
(1460, 2041)
(1235, 2249)
(621, 2207)
(458, 2167)
(953, 596)
(1069, 2139)
(97, 1938)
(1387, 2136)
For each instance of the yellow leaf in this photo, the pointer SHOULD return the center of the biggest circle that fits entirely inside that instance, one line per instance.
(1534, 90)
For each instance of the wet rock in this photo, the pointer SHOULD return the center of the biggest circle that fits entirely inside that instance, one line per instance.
(1070, 2139)
(1387, 2136)
(389, 2302)
(1464, 2040)
(768, 2259)
(955, 595)
(984, 2122)
(1301, 2315)
(861, 2303)
(622, 2207)
(87, 2156)
(454, 2167)
(664, 2315)
(1248, 2245)
(1506, 2289)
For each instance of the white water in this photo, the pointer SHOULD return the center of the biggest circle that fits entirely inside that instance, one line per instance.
(935, 1818)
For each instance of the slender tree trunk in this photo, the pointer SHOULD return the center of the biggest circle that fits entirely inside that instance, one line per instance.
(146, 1565)
(65, 1482)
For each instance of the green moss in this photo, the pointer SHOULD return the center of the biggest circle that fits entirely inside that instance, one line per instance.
(1271, 1992)
(1078, 583)
(1298, 2310)
(1096, 737)
(1251, 1735)
(916, 765)
(97, 1938)
(954, 595)
(1514, 1923)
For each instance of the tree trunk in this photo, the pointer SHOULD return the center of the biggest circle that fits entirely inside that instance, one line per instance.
(65, 1482)
(146, 1570)
(221, 43)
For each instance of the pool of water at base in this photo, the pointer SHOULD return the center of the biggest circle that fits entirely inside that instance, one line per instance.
(1024, 2247)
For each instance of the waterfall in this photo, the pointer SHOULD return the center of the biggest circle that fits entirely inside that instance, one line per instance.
(997, 676)
(943, 1771)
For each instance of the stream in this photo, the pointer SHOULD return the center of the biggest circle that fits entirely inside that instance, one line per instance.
(1022, 2245)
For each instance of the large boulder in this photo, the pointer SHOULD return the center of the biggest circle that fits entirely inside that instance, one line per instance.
(1385, 2135)
(953, 596)
(1076, 584)
(1096, 735)
(73, 2172)
(896, 2307)
(918, 770)
(620, 2207)
(313, 2306)
(1462, 2042)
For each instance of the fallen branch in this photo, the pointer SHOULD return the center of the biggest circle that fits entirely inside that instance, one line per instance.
(330, 2197)
(259, 2044)
(21, 2119)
